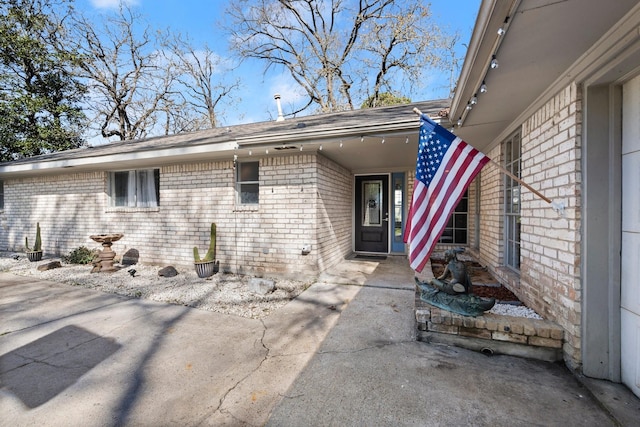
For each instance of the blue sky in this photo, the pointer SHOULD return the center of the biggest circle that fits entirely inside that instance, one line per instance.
(254, 101)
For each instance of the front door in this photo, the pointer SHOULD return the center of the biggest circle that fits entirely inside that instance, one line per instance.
(372, 213)
(630, 269)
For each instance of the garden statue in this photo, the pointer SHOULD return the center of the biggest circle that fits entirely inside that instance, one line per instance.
(452, 290)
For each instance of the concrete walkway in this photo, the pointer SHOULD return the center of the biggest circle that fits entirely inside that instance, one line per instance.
(338, 355)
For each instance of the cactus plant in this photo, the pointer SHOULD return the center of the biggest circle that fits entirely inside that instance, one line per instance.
(34, 254)
(38, 244)
(211, 253)
(207, 266)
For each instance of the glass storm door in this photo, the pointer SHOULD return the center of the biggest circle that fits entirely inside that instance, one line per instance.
(372, 214)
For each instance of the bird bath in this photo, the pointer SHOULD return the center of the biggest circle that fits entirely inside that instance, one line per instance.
(105, 259)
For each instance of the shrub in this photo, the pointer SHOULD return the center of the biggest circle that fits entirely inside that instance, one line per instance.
(81, 255)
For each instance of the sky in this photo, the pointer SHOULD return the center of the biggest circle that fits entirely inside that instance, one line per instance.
(254, 102)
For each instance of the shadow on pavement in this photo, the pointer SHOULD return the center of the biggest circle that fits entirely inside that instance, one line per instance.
(40, 370)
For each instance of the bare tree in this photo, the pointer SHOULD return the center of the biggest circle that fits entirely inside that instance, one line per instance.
(126, 73)
(338, 49)
(203, 76)
(402, 44)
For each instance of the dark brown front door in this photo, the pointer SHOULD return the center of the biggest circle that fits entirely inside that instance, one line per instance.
(372, 213)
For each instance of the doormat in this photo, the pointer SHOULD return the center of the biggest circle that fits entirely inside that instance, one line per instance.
(372, 257)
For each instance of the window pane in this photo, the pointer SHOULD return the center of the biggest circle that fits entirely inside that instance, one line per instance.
(460, 237)
(447, 236)
(371, 203)
(146, 188)
(460, 221)
(248, 171)
(249, 193)
(450, 222)
(119, 193)
(463, 205)
(1, 194)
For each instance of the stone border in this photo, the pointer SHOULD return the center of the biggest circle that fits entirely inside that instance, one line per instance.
(490, 333)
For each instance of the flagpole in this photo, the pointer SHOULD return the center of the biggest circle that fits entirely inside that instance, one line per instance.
(506, 172)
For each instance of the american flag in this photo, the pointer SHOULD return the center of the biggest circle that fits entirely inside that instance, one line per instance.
(446, 166)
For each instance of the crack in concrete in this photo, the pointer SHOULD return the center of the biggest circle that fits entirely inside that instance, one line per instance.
(31, 360)
(378, 346)
(240, 381)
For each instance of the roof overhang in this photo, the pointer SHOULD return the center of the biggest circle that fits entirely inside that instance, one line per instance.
(375, 139)
(543, 41)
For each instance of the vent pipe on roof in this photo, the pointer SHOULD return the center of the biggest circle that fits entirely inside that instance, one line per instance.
(280, 115)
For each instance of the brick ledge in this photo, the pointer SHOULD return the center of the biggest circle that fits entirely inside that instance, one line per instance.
(490, 333)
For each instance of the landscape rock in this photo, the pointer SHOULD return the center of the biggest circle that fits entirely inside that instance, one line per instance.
(261, 286)
(131, 257)
(49, 266)
(168, 271)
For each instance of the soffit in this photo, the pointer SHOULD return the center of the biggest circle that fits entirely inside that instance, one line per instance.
(544, 38)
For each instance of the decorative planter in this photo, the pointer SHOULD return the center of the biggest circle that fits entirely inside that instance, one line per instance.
(34, 255)
(206, 269)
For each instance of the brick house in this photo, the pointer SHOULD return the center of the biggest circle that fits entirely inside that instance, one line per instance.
(282, 193)
(296, 196)
(562, 110)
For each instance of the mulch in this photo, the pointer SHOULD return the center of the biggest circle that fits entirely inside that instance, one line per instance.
(484, 284)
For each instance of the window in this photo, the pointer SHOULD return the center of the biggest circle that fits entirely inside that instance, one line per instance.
(512, 148)
(137, 188)
(1, 195)
(247, 184)
(455, 231)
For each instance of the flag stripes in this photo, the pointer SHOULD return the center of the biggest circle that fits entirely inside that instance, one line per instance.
(434, 200)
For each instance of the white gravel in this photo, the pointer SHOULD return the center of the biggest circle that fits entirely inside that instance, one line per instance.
(515, 311)
(223, 293)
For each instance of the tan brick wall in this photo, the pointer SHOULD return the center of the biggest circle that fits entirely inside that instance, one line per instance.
(53, 202)
(550, 268)
(549, 277)
(263, 239)
(335, 212)
(491, 247)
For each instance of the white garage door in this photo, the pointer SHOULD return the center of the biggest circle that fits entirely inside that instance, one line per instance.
(630, 278)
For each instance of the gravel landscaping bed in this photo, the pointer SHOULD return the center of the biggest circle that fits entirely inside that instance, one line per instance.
(223, 293)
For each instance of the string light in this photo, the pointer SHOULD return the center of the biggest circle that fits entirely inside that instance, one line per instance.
(474, 100)
(362, 139)
(406, 141)
(267, 151)
(340, 143)
(250, 152)
(383, 140)
(483, 87)
(494, 62)
(501, 30)
(320, 147)
(460, 121)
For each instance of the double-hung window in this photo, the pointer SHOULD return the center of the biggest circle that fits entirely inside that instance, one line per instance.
(247, 183)
(134, 188)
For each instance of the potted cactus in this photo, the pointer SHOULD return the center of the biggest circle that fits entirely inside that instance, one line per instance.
(207, 266)
(34, 254)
